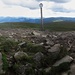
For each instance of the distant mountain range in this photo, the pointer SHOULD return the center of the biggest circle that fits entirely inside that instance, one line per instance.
(31, 20)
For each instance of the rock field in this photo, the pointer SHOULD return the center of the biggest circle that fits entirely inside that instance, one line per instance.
(34, 52)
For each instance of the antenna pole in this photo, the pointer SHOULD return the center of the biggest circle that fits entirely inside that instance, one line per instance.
(41, 5)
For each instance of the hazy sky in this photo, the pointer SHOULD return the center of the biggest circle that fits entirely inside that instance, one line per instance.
(30, 8)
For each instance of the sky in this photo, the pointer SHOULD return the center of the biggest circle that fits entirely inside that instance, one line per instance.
(31, 9)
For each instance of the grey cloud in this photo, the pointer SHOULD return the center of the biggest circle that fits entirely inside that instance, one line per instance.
(61, 9)
(31, 4)
(28, 4)
(30, 7)
(60, 1)
(56, 1)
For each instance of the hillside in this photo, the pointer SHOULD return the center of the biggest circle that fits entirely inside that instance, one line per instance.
(53, 26)
(34, 52)
(26, 50)
(35, 20)
(60, 26)
(18, 25)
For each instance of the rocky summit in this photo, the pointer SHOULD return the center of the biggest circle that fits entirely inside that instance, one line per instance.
(34, 52)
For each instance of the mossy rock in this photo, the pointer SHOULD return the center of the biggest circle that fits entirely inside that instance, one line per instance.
(59, 69)
(20, 55)
(34, 48)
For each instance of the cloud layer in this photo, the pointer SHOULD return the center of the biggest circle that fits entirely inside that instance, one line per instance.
(30, 8)
(57, 1)
(32, 4)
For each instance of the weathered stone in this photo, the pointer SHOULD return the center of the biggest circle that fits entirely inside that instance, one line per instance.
(23, 44)
(54, 36)
(63, 60)
(47, 70)
(63, 36)
(24, 69)
(54, 51)
(38, 56)
(44, 36)
(21, 70)
(20, 55)
(1, 64)
(55, 48)
(72, 69)
(72, 55)
(47, 47)
(41, 44)
(38, 59)
(50, 42)
(73, 49)
(65, 73)
(35, 33)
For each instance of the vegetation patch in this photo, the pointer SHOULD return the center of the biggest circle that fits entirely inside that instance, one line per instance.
(5, 62)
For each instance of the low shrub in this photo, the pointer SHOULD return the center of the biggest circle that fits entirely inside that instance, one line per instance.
(33, 48)
(7, 45)
(5, 63)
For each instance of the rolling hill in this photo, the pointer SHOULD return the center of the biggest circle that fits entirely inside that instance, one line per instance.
(36, 20)
(53, 26)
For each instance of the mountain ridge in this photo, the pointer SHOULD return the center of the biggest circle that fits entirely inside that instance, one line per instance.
(35, 20)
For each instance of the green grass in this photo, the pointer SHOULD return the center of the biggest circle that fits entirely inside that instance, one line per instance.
(54, 26)
(5, 63)
(18, 25)
(60, 26)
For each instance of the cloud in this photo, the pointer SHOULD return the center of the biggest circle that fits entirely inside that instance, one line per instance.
(61, 9)
(32, 4)
(60, 1)
(11, 2)
(51, 8)
(56, 1)
(70, 5)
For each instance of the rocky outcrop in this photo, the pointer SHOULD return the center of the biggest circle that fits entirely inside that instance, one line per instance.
(40, 53)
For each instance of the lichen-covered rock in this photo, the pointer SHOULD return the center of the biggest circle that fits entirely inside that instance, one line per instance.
(35, 33)
(72, 69)
(65, 73)
(54, 51)
(38, 59)
(21, 70)
(55, 48)
(63, 60)
(47, 70)
(49, 42)
(22, 45)
(20, 55)
(38, 56)
(72, 55)
(24, 69)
